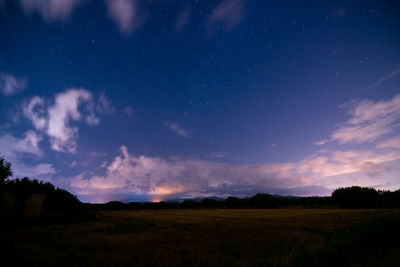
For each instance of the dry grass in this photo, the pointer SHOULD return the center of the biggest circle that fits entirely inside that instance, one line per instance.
(209, 237)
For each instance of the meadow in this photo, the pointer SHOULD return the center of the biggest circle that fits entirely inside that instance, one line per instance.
(207, 237)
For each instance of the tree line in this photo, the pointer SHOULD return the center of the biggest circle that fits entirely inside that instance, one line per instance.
(355, 197)
(19, 190)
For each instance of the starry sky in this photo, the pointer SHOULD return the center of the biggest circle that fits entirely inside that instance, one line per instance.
(149, 100)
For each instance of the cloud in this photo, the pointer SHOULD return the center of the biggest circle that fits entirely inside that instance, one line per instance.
(391, 143)
(91, 119)
(320, 143)
(34, 111)
(126, 13)
(385, 78)
(65, 109)
(29, 144)
(41, 170)
(228, 12)
(333, 163)
(10, 85)
(51, 10)
(174, 127)
(153, 177)
(13, 149)
(369, 121)
(55, 119)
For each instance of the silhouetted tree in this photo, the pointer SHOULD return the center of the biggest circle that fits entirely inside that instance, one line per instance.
(356, 197)
(5, 171)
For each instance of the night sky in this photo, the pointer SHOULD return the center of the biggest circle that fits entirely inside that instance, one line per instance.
(154, 100)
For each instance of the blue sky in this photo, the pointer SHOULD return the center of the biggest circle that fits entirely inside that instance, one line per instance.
(152, 100)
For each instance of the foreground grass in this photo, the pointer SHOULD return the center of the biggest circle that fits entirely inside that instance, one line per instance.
(211, 237)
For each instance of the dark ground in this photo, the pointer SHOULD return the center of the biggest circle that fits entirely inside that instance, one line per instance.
(206, 237)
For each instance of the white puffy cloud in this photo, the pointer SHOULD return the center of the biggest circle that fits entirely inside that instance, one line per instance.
(9, 84)
(177, 129)
(55, 120)
(151, 175)
(65, 109)
(51, 10)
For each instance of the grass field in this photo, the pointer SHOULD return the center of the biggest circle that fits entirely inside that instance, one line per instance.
(210, 237)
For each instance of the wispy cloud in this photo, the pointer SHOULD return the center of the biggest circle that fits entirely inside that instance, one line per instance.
(13, 149)
(51, 10)
(9, 84)
(320, 143)
(29, 144)
(385, 78)
(228, 13)
(127, 14)
(390, 143)
(177, 129)
(369, 121)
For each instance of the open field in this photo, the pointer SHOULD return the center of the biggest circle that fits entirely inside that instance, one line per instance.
(211, 237)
